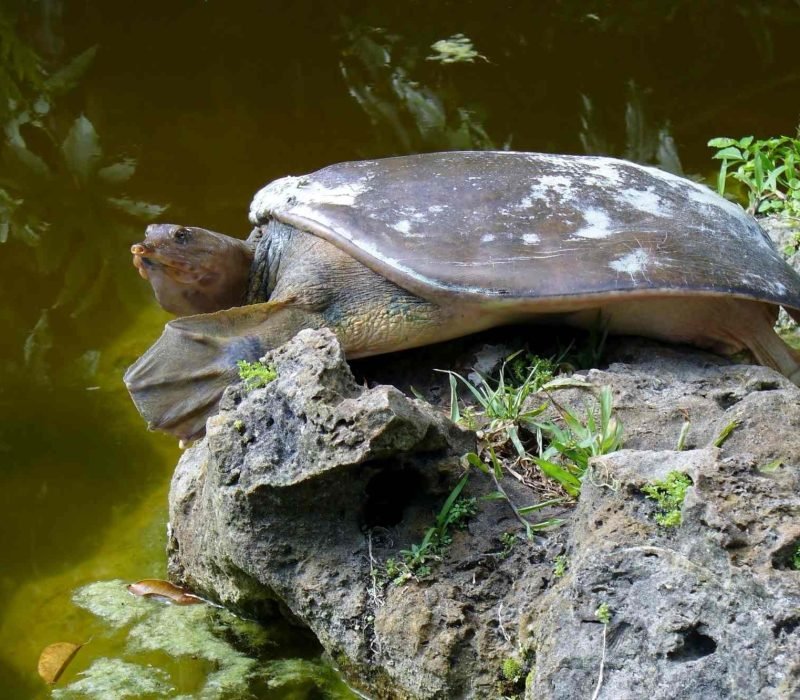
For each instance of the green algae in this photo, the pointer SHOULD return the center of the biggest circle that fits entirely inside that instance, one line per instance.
(113, 679)
(194, 651)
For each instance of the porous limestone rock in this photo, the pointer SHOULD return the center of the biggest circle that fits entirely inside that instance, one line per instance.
(301, 491)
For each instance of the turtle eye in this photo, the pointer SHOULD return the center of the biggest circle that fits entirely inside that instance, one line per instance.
(182, 235)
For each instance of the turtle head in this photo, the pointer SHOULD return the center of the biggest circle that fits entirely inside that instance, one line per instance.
(193, 270)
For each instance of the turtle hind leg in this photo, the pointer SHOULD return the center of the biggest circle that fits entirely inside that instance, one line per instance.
(724, 325)
(742, 324)
(771, 350)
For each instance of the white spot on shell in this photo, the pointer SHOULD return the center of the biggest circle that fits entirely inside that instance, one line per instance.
(645, 201)
(634, 263)
(529, 238)
(606, 172)
(436, 208)
(598, 225)
(297, 191)
(487, 238)
(403, 226)
(549, 187)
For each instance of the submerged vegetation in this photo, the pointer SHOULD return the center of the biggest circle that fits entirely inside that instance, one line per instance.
(212, 653)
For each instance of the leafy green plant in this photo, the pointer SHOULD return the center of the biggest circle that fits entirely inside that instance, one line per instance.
(384, 76)
(796, 559)
(508, 540)
(768, 170)
(457, 49)
(560, 565)
(669, 495)
(570, 447)
(416, 561)
(256, 375)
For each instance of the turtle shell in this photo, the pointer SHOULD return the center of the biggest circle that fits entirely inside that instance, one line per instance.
(522, 226)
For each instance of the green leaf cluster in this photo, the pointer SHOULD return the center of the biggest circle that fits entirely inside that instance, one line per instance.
(603, 613)
(767, 172)
(669, 495)
(256, 375)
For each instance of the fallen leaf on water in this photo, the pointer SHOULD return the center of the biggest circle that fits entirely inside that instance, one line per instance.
(55, 658)
(157, 588)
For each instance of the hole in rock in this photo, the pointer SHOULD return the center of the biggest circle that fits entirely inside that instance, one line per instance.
(692, 646)
(389, 492)
(785, 627)
(787, 557)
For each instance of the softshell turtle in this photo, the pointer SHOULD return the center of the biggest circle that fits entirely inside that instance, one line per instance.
(402, 252)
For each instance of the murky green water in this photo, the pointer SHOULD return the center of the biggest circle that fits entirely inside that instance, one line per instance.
(213, 99)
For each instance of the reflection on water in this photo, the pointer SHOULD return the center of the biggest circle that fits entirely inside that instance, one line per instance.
(109, 115)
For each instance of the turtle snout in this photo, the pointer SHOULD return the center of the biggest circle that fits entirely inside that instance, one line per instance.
(141, 262)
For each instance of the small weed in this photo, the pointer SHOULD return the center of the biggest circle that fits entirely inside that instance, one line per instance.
(505, 400)
(255, 375)
(578, 441)
(768, 170)
(496, 473)
(508, 540)
(416, 562)
(725, 433)
(516, 674)
(511, 670)
(681, 445)
(796, 559)
(560, 565)
(669, 495)
(523, 366)
(506, 410)
(603, 613)
(793, 246)
(238, 426)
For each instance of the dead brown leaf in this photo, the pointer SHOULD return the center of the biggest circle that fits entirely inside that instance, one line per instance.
(55, 658)
(157, 588)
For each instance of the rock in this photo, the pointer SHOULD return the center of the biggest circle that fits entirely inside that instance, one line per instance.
(302, 490)
(707, 610)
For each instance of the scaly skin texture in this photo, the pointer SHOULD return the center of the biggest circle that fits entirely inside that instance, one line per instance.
(368, 313)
